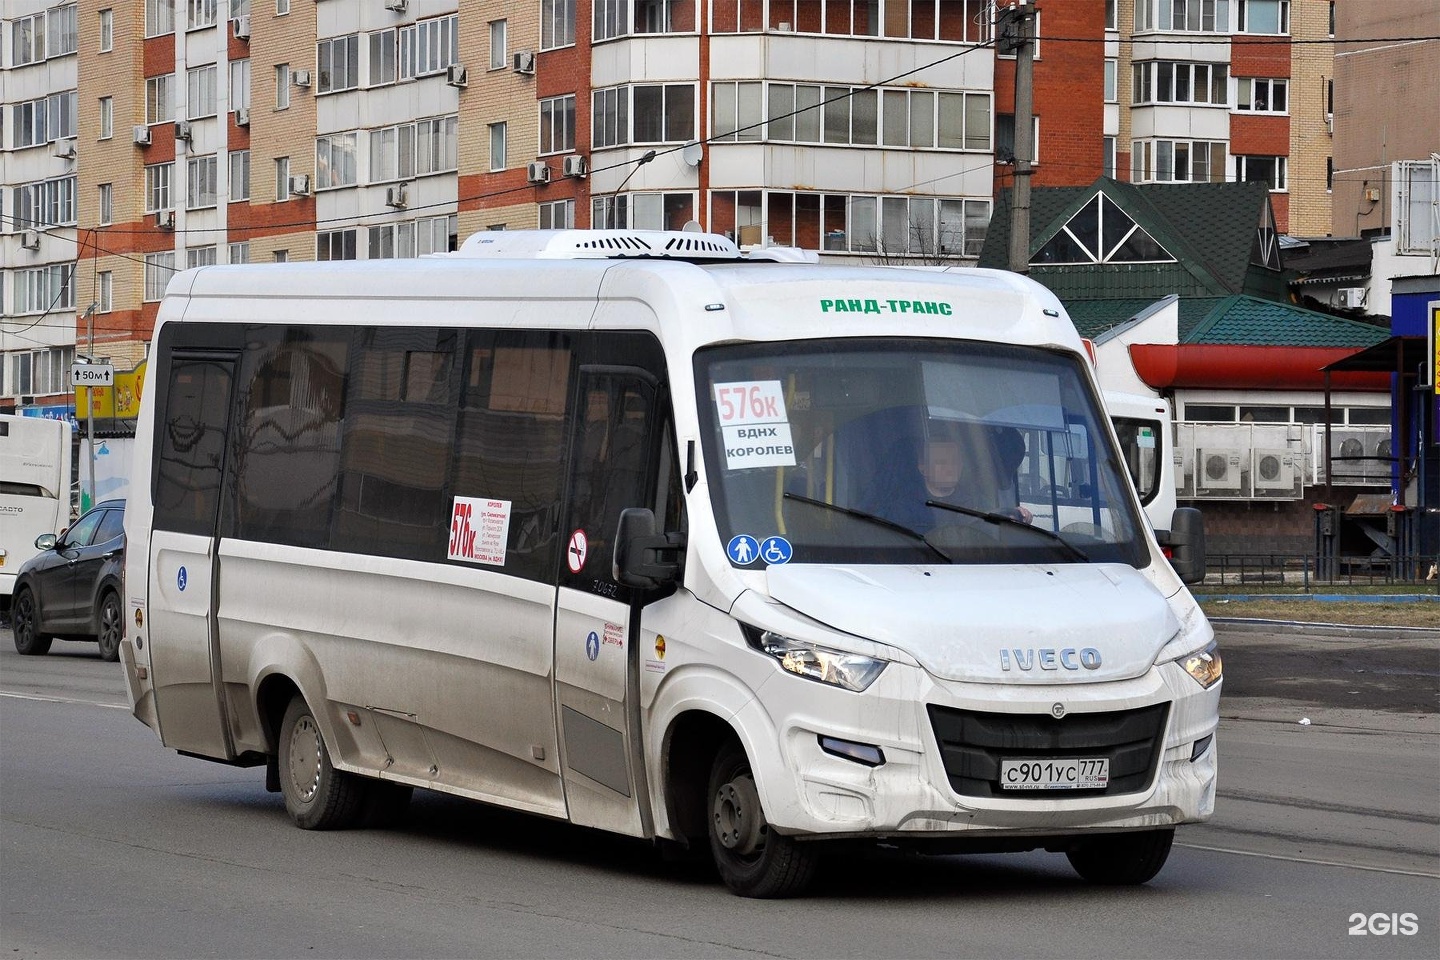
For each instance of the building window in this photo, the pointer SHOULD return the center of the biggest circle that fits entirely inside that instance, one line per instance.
(436, 145)
(157, 187)
(44, 289)
(280, 256)
(1267, 170)
(1330, 29)
(160, 99)
(335, 161)
(1329, 174)
(429, 46)
(62, 30)
(616, 18)
(107, 117)
(45, 203)
(498, 56)
(105, 280)
(159, 268)
(1183, 161)
(335, 245)
(200, 257)
(557, 124)
(497, 146)
(1101, 232)
(1108, 160)
(282, 7)
(240, 84)
(1112, 21)
(954, 21)
(1262, 95)
(202, 92)
(159, 18)
(643, 211)
(737, 111)
(1265, 16)
(1112, 85)
(925, 118)
(282, 179)
(1005, 138)
(239, 175)
(239, 252)
(338, 61)
(557, 215)
(107, 204)
(383, 66)
(1207, 16)
(107, 31)
(662, 113)
(557, 23)
(200, 182)
(200, 13)
(282, 86)
(45, 120)
(1162, 81)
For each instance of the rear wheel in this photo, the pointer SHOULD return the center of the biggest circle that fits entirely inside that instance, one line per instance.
(753, 860)
(317, 796)
(111, 627)
(1122, 859)
(25, 621)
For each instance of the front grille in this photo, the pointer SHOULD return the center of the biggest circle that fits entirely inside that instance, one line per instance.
(973, 743)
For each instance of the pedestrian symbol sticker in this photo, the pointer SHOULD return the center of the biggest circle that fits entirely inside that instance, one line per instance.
(776, 550)
(592, 645)
(180, 579)
(743, 549)
(575, 553)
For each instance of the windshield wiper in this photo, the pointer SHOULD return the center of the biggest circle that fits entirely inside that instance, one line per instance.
(988, 517)
(873, 518)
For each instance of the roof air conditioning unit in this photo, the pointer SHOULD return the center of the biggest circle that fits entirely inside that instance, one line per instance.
(537, 172)
(165, 219)
(182, 130)
(242, 116)
(396, 6)
(65, 149)
(524, 61)
(240, 27)
(1350, 297)
(301, 78)
(1274, 471)
(574, 166)
(141, 135)
(456, 76)
(395, 197)
(1219, 469)
(300, 184)
(30, 239)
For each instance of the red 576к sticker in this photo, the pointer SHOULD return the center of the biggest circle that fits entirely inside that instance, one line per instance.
(754, 425)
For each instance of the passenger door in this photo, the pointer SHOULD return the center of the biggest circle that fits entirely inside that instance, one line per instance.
(191, 453)
(107, 543)
(613, 466)
(57, 582)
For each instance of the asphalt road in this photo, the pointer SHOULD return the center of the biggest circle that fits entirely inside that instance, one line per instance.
(111, 846)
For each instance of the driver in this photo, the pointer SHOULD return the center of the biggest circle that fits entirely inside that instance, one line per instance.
(949, 478)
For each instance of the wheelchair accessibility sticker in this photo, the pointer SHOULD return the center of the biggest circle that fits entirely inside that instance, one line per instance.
(776, 550)
(745, 549)
(180, 579)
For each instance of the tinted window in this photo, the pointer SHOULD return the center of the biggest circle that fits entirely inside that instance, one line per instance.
(111, 527)
(191, 445)
(83, 533)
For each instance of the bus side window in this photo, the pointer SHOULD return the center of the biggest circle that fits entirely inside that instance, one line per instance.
(191, 445)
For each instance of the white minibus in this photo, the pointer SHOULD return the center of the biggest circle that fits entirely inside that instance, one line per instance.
(638, 531)
(35, 462)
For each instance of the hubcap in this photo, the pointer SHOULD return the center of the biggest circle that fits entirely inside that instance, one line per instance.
(305, 759)
(738, 822)
(110, 625)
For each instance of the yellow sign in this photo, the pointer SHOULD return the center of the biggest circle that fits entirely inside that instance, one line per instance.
(1435, 345)
(121, 401)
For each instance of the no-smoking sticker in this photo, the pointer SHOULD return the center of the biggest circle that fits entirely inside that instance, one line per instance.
(575, 552)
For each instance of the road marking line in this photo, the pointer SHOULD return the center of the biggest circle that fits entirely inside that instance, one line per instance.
(1321, 863)
(88, 703)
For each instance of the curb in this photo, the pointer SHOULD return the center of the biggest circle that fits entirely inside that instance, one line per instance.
(1257, 625)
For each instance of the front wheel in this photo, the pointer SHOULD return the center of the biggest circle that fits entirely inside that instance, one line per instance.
(25, 620)
(112, 629)
(317, 796)
(1122, 859)
(752, 859)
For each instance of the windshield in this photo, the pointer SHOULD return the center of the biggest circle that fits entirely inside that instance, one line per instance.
(910, 451)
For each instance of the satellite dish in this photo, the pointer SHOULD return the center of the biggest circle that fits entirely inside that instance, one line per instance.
(692, 154)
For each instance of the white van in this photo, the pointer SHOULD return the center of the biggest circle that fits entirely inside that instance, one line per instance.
(630, 529)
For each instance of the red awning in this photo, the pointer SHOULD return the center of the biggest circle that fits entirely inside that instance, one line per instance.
(1200, 365)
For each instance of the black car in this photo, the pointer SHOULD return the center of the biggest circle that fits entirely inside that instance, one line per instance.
(71, 589)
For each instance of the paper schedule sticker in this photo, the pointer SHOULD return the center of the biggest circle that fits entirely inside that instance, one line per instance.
(754, 425)
(479, 529)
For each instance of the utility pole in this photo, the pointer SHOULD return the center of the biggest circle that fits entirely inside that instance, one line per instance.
(90, 410)
(1017, 26)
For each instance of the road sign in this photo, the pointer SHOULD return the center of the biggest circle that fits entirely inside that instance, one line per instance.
(93, 374)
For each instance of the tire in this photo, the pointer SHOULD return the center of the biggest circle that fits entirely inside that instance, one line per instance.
(1122, 859)
(317, 796)
(25, 622)
(752, 859)
(112, 627)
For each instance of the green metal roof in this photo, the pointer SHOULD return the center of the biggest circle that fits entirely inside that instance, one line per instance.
(1250, 321)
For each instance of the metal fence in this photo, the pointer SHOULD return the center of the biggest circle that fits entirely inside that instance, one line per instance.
(1311, 573)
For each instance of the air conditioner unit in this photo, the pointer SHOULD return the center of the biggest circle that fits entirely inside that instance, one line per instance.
(574, 166)
(300, 185)
(301, 78)
(456, 76)
(1273, 470)
(65, 149)
(523, 61)
(396, 6)
(165, 219)
(242, 116)
(1372, 194)
(30, 239)
(1217, 469)
(141, 135)
(537, 172)
(240, 27)
(1330, 123)
(182, 130)
(1348, 463)
(1350, 297)
(395, 197)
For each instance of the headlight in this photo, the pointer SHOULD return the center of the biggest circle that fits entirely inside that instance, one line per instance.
(1203, 665)
(852, 671)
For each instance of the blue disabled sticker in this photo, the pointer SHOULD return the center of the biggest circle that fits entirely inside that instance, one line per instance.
(180, 579)
(743, 548)
(592, 645)
(776, 550)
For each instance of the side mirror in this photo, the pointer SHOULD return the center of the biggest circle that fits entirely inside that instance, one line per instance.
(644, 558)
(1187, 544)
(46, 541)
